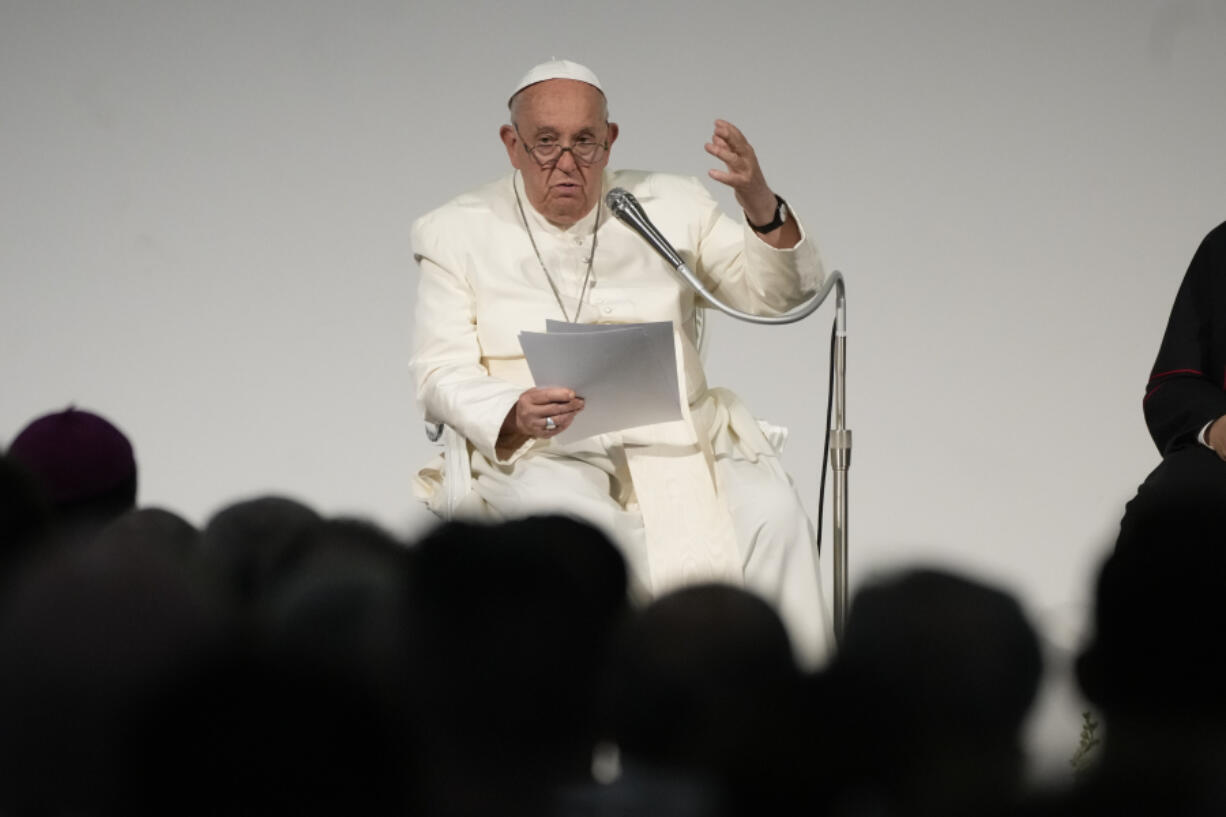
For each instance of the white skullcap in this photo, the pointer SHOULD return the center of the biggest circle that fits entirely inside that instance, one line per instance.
(556, 69)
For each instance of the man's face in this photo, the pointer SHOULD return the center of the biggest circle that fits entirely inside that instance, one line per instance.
(565, 112)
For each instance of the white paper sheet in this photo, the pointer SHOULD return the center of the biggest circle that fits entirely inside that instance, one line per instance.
(626, 373)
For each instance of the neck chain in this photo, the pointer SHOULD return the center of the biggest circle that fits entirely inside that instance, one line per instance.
(591, 256)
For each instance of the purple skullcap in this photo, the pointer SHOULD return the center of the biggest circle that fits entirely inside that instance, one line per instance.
(74, 455)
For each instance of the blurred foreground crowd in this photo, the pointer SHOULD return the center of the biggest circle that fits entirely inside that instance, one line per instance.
(277, 662)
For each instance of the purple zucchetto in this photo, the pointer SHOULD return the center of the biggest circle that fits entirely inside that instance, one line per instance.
(75, 456)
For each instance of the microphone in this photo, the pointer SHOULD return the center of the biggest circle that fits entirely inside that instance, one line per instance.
(626, 207)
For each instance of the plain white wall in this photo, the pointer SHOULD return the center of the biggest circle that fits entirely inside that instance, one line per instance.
(204, 236)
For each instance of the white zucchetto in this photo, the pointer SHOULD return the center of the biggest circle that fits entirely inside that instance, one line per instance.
(556, 69)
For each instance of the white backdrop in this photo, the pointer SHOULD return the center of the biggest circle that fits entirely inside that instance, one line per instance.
(204, 236)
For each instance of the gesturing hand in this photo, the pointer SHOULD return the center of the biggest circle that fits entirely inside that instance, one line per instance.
(744, 174)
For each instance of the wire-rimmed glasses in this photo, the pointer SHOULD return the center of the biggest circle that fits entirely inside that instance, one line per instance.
(586, 151)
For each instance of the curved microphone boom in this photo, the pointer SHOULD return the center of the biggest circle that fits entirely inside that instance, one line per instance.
(626, 207)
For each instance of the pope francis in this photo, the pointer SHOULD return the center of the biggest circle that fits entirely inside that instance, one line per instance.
(703, 498)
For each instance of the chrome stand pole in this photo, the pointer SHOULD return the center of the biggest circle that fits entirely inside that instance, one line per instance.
(840, 460)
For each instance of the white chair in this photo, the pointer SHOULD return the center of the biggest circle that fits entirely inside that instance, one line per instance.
(457, 470)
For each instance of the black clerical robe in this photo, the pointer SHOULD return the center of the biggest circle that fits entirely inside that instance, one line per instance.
(1187, 387)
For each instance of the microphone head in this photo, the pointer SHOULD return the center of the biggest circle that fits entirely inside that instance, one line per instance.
(627, 209)
(621, 200)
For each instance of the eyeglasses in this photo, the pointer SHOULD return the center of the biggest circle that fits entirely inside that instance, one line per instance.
(586, 151)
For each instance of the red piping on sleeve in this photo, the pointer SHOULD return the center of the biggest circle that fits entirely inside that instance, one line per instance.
(1156, 375)
(1161, 375)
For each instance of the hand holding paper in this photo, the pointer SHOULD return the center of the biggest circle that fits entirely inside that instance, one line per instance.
(626, 374)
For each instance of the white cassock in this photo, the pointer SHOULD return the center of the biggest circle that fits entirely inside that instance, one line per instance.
(702, 498)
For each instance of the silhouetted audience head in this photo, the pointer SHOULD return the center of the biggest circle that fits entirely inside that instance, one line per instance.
(154, 529)
(84, 466)
(702, 685)
(253, 544)
(87, 634)
(692, 673)
(927, 695)
(344, 606)
(514, 620)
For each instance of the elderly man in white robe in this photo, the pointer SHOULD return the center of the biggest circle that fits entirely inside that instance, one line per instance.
(703, 498)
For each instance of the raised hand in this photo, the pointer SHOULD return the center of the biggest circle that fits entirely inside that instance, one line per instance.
(743, 174)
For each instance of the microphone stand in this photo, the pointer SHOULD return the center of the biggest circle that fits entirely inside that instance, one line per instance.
(626, 207)
(840, 458)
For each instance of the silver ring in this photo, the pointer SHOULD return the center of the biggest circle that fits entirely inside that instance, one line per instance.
(550, 425)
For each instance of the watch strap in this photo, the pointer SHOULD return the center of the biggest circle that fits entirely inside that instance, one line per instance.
(781, 215)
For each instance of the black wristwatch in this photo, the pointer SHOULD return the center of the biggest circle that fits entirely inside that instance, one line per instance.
(781, 215)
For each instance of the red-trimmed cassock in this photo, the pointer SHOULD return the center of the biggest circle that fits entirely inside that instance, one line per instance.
(1187, 388)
